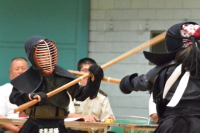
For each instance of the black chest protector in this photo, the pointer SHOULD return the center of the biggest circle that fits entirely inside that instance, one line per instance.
(32, 81)
(158, 87)
(158, 93)
(52, 82)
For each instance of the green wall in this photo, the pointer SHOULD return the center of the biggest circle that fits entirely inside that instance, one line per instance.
(66, 22)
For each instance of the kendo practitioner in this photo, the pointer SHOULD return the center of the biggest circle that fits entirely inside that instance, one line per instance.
(45, 76)
(175, 81)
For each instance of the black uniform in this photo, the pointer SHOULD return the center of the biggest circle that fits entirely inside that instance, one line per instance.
(48, 115)
(185, 116)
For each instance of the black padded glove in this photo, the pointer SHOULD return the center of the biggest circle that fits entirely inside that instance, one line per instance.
(125, 85)
(92, 87)
(97, 71)
(42, 95)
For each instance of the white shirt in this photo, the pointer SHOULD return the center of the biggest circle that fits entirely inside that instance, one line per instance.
(6, 108)
(100, 107)
(152, 106)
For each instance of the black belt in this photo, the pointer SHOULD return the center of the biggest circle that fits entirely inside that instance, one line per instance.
(186, 108)
(46, 112)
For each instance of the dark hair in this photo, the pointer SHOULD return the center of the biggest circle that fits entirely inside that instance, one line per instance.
(85, 61)
(190, 59)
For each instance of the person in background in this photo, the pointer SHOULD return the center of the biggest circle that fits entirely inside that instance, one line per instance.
(94, 110)
(18, 66)
(98, 108)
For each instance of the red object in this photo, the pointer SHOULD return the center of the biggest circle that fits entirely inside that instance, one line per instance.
(21, 114)
(197, 33)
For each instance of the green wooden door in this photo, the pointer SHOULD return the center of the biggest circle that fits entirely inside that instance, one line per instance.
(64, 21)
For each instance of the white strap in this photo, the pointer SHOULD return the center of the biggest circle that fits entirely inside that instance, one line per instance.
(180, 90)
(174, 76)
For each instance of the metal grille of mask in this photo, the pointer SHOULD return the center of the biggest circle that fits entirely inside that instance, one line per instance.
(46, 56)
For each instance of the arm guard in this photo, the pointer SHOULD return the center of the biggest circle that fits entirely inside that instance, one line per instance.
(42, 95)
(137, 83)
(125, 85)
(18, 98)
(92, 87)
